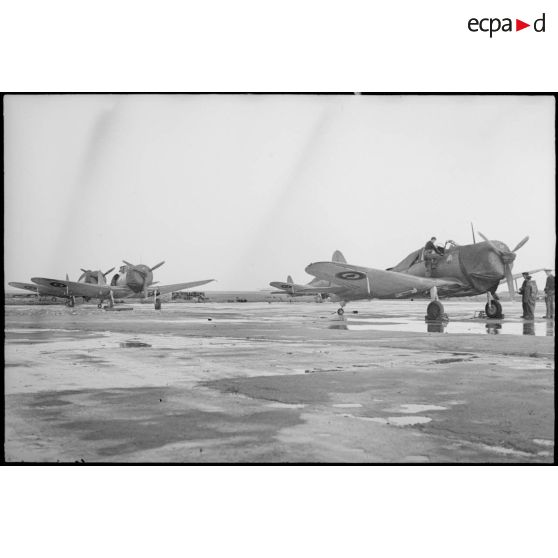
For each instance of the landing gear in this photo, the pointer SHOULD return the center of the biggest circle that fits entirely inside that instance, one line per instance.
(157, 304)
(71, 302)
(493, 308)
(100, 305)
(340, 311)
(435, 311)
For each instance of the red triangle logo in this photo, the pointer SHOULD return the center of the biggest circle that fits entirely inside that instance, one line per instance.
(519, 25)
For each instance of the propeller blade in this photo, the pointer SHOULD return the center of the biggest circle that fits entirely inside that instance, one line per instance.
(509, 279)
(107, 272)
(84, 270)
(128, 263)
(492, 245)
(156, 266)
(520, 244)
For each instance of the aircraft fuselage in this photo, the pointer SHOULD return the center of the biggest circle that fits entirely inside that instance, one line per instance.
(474, 265)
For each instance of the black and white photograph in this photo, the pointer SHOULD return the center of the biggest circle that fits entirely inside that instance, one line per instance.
(279, 278)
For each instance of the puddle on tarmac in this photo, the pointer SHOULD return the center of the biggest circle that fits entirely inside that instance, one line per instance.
(412, 408)
(492, 327)
(347, 405)
(279, 405)
(394, 421)
(133, 344)
(548, 443)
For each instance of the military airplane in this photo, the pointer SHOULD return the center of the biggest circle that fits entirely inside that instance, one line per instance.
(318, 287)
(88, 276)
(459, 271)
(131, 281)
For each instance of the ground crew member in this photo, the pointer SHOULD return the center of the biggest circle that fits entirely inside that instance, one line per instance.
(430, 252)
(549, 294)
(528, 294)
(431, 246)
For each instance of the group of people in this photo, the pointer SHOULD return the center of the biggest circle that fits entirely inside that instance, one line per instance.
(529, 291)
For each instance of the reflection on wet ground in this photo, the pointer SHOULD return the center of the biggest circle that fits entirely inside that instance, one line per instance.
(491, 327)
(133, 344)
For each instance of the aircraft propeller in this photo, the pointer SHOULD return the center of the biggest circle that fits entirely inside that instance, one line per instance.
(98, 274)
(507, 259)
(141, 269)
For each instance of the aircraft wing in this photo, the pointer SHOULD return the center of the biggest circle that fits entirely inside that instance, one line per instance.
(377, 283)
(39, 289)
(73, 288)
(26, 286)
(519, 275)
(293, 289)
(165, 289)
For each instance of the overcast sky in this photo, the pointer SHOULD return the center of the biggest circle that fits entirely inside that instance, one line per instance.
(247, 189)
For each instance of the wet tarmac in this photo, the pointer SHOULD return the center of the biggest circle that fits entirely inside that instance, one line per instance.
(280, 382)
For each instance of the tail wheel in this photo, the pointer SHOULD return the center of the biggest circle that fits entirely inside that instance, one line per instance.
(340, 311)
(493, 309)
(435, 310)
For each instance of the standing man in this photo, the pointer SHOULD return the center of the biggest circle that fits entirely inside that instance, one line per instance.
(430, 259)
(549, 294)
(528, 294)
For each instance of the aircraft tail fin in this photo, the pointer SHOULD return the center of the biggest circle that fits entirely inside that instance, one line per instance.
(290, 280)
(67, 277)
(338, 257)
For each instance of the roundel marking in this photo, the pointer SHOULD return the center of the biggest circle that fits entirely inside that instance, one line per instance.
(57, 284)
(350, 275)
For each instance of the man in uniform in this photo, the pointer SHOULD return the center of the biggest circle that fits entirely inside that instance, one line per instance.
(430, 253)
(549, 294)
(528, 294)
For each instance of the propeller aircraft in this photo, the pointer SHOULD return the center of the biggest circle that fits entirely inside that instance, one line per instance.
(459, 271)
(132, 281)
(58, 291)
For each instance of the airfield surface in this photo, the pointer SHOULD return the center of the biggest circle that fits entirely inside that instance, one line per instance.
(278, 382)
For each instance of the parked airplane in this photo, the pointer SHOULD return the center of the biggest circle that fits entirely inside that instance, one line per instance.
(317, 286)
(460, 271)
(132, 281)
(88, 276)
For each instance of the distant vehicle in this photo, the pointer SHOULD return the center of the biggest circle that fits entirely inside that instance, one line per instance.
(131, 282)
(459, 271)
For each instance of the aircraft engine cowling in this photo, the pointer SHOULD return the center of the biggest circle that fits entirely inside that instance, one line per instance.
(483, 268)
(138, 278)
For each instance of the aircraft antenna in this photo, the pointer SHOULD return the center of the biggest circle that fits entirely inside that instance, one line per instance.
(473, 231)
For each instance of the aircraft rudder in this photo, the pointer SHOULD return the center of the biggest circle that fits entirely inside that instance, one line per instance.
(338, 257)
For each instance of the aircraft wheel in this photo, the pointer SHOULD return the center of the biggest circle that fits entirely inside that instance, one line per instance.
(340, 311)
(493, 309)
(71, 303)
(435, 310)
(157, 304)
(100, 305)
